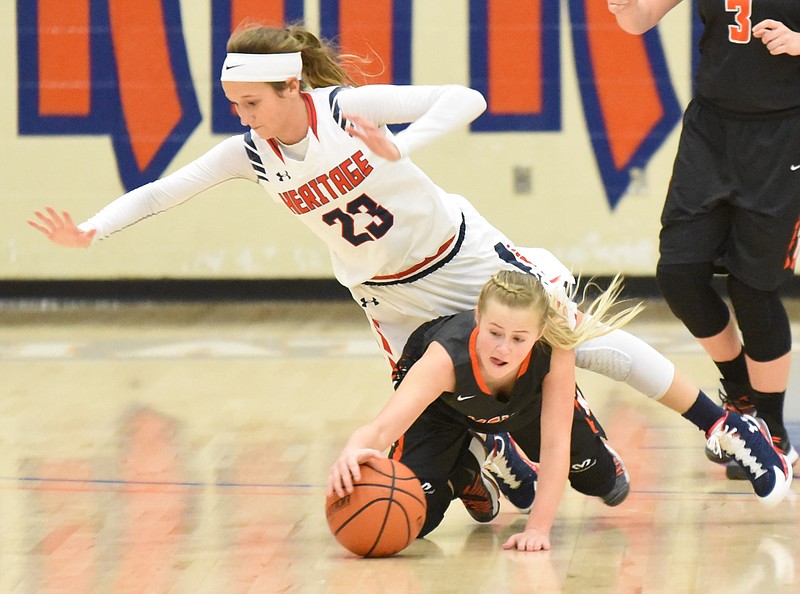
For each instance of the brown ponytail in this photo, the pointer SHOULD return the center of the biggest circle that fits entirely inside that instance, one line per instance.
(322, 65)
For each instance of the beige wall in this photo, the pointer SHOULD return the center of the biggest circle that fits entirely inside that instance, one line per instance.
(235, 231)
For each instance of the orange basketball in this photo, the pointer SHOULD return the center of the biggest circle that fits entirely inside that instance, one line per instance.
(383, 514)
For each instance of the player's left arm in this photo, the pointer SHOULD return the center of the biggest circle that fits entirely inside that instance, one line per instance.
(430, 110)
(777, 37)
(427, 379)
(558, 395)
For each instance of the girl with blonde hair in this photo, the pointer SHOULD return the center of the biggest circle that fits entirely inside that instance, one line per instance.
(408, 251)
(507, 366)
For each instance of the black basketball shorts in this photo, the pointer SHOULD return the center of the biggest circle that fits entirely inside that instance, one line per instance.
(734, 197)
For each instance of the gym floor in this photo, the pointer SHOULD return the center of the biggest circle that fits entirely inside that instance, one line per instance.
(184, 448)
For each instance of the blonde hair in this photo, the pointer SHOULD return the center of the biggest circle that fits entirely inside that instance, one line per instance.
(322, 65)
(525, 291)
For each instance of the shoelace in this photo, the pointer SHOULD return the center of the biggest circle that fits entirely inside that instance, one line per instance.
(740, 404)
(497, 464)
(735, 446)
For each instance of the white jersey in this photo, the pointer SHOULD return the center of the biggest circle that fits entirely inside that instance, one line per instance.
(408, 251)
(378, 218)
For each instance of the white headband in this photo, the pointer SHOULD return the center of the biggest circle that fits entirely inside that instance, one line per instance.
(261, 67)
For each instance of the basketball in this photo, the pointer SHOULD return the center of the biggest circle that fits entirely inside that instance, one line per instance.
(383, 514)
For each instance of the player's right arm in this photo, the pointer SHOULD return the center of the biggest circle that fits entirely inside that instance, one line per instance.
(558, 394)
(638, 16)
(427, 379)
(225, 161)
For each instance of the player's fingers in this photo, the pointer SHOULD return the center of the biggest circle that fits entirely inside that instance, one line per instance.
(53, 213)
(353, 472)
(766, 24)
(355, 119)
(48, 222)
(336, 483)
(355, 132)
(368, 454)
(362, 123)
(67, 218)
(511, 543)
(38, 227)
(347, 483)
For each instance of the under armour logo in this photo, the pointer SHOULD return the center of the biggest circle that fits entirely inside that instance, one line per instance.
(752, 425)
(283, 176)
(365, 301)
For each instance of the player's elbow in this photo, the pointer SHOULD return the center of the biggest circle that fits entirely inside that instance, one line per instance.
(478, 102)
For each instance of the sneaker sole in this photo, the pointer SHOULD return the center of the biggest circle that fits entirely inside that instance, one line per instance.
(779, 492)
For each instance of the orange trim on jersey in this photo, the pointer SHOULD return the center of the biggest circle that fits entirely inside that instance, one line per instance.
(524, 367)
(587, 416)
(276, 148)
(792, 249)
(312, 113)
(384, 343)
(312, 123)
(396, 452)
(476, 368)
(416, 267)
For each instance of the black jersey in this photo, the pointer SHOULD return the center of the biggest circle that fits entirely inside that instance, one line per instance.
(736, 71)
(471, 401)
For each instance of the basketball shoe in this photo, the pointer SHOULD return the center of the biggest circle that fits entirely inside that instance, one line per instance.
(622, 483)
(749, 444)
(738, 398)
(480, 496)
(514, 474)
(781, 442)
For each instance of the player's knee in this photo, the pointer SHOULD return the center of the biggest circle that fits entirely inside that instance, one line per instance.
(592, 473)
(624, 357)
(690, 296)
(438, 496)
(762, 319)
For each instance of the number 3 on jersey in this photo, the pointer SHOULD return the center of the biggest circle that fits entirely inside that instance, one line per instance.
(382, 220)
(740, 32)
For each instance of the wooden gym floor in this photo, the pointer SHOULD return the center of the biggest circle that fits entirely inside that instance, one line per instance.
(183, 448)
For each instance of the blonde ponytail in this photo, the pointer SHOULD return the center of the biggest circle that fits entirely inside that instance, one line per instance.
(519, 290)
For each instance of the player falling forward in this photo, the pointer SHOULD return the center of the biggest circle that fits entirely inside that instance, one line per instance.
(408, 251)
(510, 366)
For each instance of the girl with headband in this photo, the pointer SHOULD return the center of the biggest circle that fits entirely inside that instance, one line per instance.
(408, 251)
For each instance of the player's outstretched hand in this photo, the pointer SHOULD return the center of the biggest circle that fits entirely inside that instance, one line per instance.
(372, 137)
(346, 469)
(529, 540)
(59, 228)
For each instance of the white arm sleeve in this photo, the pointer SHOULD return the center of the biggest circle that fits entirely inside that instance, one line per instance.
(432, 111)
(225, 161)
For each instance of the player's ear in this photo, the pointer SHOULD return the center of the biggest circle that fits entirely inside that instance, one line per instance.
(293, 85)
